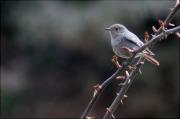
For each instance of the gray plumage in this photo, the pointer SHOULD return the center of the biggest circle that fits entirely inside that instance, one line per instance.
(122, 37)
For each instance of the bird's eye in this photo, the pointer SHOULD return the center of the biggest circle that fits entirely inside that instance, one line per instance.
(116, 29)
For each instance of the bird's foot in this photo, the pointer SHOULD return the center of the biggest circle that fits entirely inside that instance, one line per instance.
(115, 61)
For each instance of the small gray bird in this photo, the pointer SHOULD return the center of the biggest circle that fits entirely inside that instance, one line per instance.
(122, 38)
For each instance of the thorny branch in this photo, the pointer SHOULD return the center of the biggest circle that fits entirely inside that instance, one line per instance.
(158, 36)
(161, 33)
(98, 91)
(168, 19)
(121, 93)
(133, 73)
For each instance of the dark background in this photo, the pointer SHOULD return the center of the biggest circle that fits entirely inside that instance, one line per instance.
(54, 52)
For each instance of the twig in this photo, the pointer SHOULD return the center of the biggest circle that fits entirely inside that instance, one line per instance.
(160, 36)
(170, 16)
(101, 87)
(97, 93)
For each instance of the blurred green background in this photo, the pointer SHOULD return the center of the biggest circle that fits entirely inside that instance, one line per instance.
(54, 52)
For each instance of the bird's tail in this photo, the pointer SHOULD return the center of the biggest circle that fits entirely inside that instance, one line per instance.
(150, 59)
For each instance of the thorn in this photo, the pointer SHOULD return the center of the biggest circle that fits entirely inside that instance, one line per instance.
(154, 29)
(178, 35)
(110, 113)
(129, 81)
(120, 77)
(171, 9)
(121, 102)
(125, 96)
(113, 116)
(177, 2)
(127, 73)
(140, 71)
(170, 24)
(117, 94)
(95, 92)
(97, 89)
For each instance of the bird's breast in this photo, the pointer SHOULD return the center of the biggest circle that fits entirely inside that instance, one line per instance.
(119, 51)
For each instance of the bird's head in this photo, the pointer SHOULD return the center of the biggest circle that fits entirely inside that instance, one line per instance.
(116, 30)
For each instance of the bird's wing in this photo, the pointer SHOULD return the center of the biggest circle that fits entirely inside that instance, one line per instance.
(134, 39)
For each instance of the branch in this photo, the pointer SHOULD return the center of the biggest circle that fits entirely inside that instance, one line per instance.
(121, 93)
(99, 88)
(160, 34)
(172, 14)
(98, 91)
(169, 17)
(158, 37)
(133, 73)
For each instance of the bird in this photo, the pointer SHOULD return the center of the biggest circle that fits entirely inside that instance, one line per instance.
(123, 39)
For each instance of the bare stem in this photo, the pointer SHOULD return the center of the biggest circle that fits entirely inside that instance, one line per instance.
(170, 16)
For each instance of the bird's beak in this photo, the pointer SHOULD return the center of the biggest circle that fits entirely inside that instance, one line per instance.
(108, 29)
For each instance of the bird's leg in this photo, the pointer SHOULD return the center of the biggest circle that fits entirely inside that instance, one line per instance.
(115, 61)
